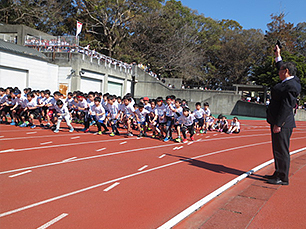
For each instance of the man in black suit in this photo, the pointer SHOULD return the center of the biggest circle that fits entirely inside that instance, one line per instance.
(281, 118)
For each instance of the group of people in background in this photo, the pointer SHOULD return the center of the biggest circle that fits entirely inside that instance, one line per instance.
(157, 117)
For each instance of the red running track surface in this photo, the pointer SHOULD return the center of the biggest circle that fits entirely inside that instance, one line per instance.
(150, 181)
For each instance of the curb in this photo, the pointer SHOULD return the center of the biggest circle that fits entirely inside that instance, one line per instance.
(196, 206)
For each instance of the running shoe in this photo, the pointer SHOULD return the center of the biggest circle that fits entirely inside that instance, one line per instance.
(166, 139)
(33, 126)
(179, 140)
(185, 140)
(71, 130)
(112, 134)
(56, 131)
(201, 131)
(130, 135)
(100, 133)
(86, 130)
(23, 125)
(13, 123)
(192, 138)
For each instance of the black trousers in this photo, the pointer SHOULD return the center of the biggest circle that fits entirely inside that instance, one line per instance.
(280, 146)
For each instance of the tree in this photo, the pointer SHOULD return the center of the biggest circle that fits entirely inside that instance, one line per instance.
(109, 21)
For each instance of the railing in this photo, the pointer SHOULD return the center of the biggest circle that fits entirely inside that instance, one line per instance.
(8, 38)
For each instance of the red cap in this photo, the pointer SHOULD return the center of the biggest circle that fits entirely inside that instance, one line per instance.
(146, 99)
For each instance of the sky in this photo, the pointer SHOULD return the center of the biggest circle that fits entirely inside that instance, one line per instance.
(250, 14)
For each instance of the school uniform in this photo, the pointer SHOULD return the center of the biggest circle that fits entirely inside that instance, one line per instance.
(187, 123)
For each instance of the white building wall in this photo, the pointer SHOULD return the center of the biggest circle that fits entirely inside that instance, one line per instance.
(64, 76)
(41, 74)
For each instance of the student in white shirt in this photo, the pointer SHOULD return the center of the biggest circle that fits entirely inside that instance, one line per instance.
(128, 113)
(160, 117)
(83, 110)
(206, 115)
(99, 115)
(31, 111)
(187, 123)
(141, 114)
(235, 126)
(62, 113)
(199, 115)
(113, 114)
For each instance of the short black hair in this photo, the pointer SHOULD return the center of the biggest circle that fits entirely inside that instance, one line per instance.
(97, 99)
(198, 104)
(110, 97)
(291, 67)
(91, 93)
(186, 109)
(57, 93)
(206, 104)
(140, 105)
(59, 102)
(178, 100)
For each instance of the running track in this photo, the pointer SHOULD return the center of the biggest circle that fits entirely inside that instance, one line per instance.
(88, 181)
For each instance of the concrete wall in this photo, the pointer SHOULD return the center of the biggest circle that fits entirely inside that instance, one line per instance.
(24, 71)
(84, 66)
(249, 109)
(300, 115)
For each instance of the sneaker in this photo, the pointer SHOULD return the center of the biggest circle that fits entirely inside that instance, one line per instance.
(153, 136)
(48, 125)
(33, 126)
(86, 130)
(201, 131)
(53, 127)
(205, 132)
(117, 133)
(166, 139)
(130, 135)
(92, 122)
(56, 131)
(71, 130)
(19, 123)
(192, 138)
(179, 140)
(41, 125)
(112, 134)
(185, 140)
(100, 133)
(23, 125)
(12, 123)
(104, 131)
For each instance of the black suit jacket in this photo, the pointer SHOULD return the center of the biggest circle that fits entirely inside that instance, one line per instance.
(283, 101)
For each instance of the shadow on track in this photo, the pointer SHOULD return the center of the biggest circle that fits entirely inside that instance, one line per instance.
(217, 168)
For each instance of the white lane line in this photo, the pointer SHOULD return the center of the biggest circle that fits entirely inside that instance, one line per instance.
(75, 137)
(126, 177)
(53, 221)
(208, 137)
(143, 167)
(215, 134)
(121, 143)
(1, 136)
(95, 142)
(41, 136)
(31, 132)
(46, 143)
(98, 150)
(162, 156)
(180, 147)
(174, 148)
(7, 150)
(199, 204)
(111, 187)
(109, 154)
(69, 159)
(69, 144)
(189, 143)
(19, 174)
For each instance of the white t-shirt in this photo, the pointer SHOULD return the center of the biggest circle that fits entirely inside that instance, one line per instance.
(113, 110)
(236, 124)
(63, 111)
(90, 105)
(179, 111)
(98, 111)
(160, 111)
(32, 103)
(69, 102)
(169, 112)
(199, 113)
(187, 121)
(128, 110)
(142, 115)
(207, 112)
(18, 101)
(83, 104)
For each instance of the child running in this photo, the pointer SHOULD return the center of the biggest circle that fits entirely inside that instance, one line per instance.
(186, 121)
(62, 113)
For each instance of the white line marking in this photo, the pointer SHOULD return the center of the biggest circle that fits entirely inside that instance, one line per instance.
(111, 187)
(125, 177)
(215, 134)
(180, 147)
(174, 148)
(189, 143)
(188, 211)
(1, 136)
(109, 154)
(46, 143)
(31, 133)
(208, 137)
(7, 150)
(19, 174)
(138, 138)
(42, 136)
(143, 167)
(53, 221)
(162, 156)
(98, 150)
(75, 137)
(69, 159)
(121, 143)
(94, 142)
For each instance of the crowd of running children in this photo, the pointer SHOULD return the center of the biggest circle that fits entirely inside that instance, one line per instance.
(110, 111)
